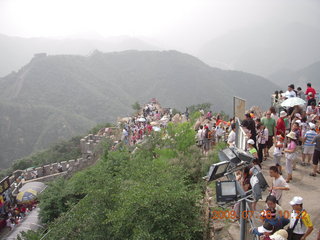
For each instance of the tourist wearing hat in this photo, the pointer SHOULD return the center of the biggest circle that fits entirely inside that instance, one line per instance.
(316, 155)
(263, 231)
(300, 225)
(251, 149)
(290, 153)
(308, 146)
(280, 235)
(290, 93)
(281, 126)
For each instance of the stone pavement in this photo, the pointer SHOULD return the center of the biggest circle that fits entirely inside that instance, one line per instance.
(302, 185)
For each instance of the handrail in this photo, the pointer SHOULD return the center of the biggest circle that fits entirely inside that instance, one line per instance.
(241, 136)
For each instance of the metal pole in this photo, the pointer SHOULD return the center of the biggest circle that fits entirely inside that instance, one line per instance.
(243, 216)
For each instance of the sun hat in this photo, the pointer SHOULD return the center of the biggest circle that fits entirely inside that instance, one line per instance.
(283, 114)
(298, 115)
(312, 125)
(266, 227)
(292, 135)
(296, 200)
(250, 141)
(298, 121)
(280, 235)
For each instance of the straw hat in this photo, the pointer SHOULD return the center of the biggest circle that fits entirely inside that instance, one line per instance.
(292, 135)
(280, 235)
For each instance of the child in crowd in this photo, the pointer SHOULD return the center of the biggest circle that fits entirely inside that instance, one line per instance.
(277, 152)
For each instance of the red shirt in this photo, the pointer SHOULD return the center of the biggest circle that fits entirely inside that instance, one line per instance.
(310, 89)
(281, 126)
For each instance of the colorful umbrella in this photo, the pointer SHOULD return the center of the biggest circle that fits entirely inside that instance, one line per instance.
(27, 195)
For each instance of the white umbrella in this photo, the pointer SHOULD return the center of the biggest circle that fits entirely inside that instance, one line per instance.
(156, 129)
(290, 102)
(141, 119)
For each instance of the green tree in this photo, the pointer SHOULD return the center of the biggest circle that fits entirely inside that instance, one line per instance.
(194, 108)
(136, 106)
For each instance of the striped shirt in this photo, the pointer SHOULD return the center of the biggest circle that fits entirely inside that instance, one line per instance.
(309, 137)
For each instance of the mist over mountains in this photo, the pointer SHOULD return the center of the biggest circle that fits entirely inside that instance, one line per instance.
(264, 50)
(300, 77)
(17, 51)
(56, 97)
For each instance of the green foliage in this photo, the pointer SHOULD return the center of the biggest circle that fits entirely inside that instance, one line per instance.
(136, 106)
(194, 117)
(145, 195)
(182, 136)
(155, 204)
(194, 108)
(30, 235)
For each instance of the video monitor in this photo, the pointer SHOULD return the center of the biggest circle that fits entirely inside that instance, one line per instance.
(226, 191)
(229, 155)
(218, 170)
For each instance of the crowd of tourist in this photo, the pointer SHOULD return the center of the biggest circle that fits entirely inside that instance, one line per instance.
(151, 118)
(293, 134)
(14, 212)
(214, 130)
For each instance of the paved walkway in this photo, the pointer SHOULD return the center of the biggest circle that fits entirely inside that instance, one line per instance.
(30, 222)
(302, 185)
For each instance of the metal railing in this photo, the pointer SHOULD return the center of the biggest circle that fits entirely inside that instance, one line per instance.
(241, 136)
(241, 143)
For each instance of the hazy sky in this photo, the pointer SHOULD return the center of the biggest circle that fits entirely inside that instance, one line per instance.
(186, 23)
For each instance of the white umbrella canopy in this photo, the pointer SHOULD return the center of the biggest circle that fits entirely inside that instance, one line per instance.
(291, 102)
(141, 119)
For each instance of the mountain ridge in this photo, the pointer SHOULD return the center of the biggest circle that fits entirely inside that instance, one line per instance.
(69, 94)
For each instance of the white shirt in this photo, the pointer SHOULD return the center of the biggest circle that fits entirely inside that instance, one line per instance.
(219, 131)
(279, 182)
(200, 134)
(300, 227)
(290, 94)
(277, 150)
(231, 138)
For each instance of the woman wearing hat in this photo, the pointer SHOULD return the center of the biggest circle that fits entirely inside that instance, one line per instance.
(290, 154)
